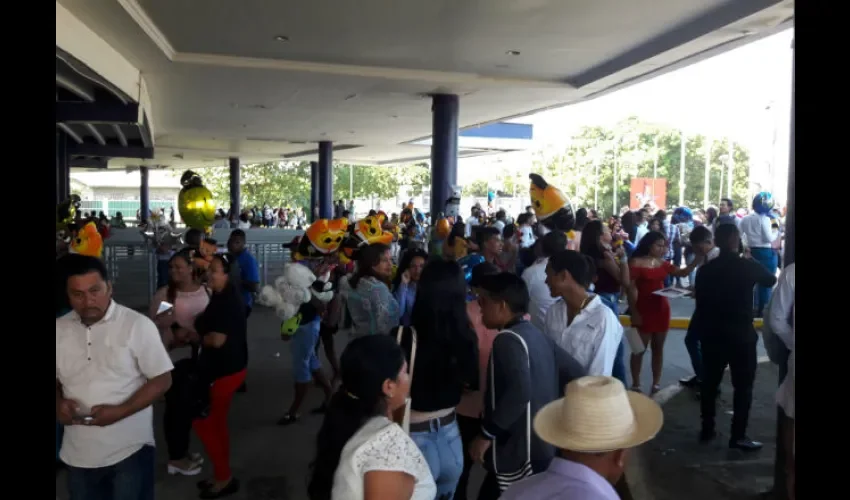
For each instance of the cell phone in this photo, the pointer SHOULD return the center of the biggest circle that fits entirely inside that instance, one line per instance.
(164, 307)
(84, 418)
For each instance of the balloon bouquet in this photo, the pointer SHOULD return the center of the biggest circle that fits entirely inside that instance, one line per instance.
(308, 276)
(197, 209)
(319, 259)
(85, 240)
(157, 231)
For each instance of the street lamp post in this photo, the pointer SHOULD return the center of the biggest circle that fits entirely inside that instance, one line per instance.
(730, 177)
(682, 169)
(707, 189)
(654, 164)
(616, 175)
(596, 178)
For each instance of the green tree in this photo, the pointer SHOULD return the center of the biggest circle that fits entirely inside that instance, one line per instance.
(475, 189)
(417, 176)
(584, 169)
(272, 183)
(288, 183)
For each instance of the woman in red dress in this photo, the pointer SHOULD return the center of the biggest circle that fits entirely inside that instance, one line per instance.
(651, 313)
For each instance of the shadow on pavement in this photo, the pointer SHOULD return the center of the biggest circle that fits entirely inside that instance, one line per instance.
(675, 465)
(272, 462)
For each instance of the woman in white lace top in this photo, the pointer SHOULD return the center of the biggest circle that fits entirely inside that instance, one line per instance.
(361, 454)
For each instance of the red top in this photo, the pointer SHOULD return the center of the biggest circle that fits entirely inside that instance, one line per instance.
(654, 309)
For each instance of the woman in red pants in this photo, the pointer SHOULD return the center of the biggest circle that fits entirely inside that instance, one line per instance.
(223, 359)
(651, 315)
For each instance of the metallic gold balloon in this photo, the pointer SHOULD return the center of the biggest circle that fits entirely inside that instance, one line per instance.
(66, 211)
(195, 202)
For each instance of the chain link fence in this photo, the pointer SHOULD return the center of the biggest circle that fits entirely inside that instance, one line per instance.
(132, 262)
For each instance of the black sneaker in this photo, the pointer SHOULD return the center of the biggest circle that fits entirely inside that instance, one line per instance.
(690, 382)
(745, 444)
(231, 488)
(707, 434)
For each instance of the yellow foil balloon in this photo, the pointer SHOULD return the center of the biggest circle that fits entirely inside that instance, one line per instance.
(195, 202)
(66, 211)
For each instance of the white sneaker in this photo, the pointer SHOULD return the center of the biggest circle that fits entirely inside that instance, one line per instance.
(173, 470)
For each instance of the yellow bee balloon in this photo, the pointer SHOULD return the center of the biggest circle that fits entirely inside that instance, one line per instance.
(66, 211)
(195, 202)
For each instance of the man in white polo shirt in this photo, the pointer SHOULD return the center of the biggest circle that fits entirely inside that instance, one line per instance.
(579, 322)
(758, 237)
(111, 366)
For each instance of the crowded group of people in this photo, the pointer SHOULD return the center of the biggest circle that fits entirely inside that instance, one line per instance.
(113, 362)
(487, 340)
(265, 216)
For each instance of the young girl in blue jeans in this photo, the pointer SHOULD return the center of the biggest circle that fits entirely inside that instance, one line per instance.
(305, 363)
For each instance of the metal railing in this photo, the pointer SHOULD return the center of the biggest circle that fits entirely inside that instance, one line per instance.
(132, 262)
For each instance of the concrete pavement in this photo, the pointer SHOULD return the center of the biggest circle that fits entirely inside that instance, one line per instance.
(675, 465)
(272, 462)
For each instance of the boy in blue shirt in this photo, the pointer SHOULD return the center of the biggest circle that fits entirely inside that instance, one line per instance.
(249, 274)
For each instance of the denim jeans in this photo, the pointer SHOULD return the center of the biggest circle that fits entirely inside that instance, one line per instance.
(442, 449)
(619, 369)
(766, 257)
(677, 262)
(693, 274)
(692, 344)
(130, 479)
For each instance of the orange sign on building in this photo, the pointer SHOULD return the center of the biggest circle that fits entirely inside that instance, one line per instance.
(648, 190)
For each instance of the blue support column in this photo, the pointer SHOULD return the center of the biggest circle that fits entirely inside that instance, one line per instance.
(63, 168)
(444, 111)
(235, 187)
(326, 179)
(144, 195)
(314, 190)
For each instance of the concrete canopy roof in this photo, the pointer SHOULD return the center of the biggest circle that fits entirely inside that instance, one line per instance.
(266, 80)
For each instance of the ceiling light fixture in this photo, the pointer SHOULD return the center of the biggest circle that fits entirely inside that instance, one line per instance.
(281, 38)
(512, 53)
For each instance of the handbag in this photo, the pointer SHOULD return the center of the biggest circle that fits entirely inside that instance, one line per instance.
(402, 415)
(192, 388)
(636, 344)
(508, 478)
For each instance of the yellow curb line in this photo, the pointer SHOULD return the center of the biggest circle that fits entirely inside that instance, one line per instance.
(681, 323)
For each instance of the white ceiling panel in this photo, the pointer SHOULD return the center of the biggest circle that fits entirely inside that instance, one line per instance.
(359, 73)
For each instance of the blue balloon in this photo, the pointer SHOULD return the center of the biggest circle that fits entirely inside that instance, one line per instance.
(468, 262)
(763, 203)
(682, 214)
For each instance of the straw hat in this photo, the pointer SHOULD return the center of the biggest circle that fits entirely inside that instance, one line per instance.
(597, 414)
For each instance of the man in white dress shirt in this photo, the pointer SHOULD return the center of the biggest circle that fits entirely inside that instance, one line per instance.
(642, 224)
(757, 235)
(535, 276)
(580, 323)
(111, 366)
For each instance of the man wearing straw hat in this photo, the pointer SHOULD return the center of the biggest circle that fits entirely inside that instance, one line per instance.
(593, 427)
